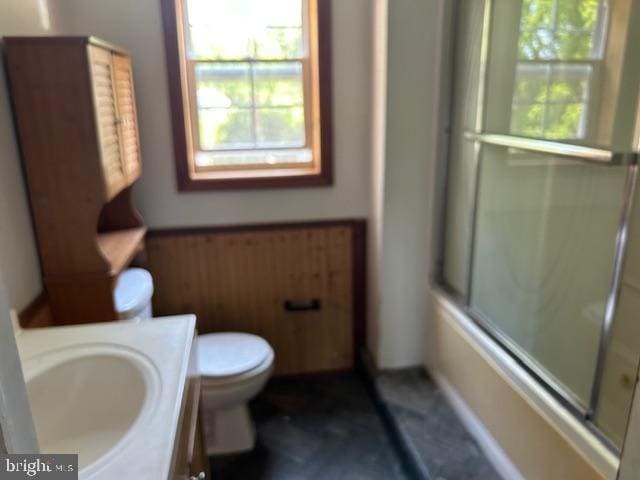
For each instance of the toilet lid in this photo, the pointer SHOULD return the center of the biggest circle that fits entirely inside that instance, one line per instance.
(225, 354)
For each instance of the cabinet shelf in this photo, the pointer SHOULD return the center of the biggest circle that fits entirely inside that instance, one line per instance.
(119, 247)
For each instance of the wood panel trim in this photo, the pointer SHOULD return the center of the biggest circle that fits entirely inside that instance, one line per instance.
(176, 100)
(182, 143)
(359, 258)
(325, 62)
(36, 313)
(252, 227)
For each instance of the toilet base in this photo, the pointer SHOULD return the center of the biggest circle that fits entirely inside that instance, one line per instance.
(229, 430)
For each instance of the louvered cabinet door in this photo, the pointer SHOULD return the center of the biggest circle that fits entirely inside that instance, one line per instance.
(127, 118)
(106, 109)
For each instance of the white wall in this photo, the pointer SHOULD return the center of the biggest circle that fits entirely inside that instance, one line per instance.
(18, 254)
(137, 26)
(416, 29)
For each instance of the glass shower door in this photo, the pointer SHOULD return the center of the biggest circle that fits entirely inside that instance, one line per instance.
(545, 245)
(541, 180)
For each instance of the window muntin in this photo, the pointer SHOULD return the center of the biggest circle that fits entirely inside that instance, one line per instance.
(551, 100)
(250, 78)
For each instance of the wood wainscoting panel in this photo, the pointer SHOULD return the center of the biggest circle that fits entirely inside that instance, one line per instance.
(239, 279)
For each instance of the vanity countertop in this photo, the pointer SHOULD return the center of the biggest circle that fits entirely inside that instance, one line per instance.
(166, 343)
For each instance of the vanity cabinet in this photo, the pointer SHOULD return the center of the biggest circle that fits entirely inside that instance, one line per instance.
(189, 458)
(74, 109)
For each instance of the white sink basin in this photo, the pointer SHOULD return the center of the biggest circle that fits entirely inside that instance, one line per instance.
(90, 400)
(111, 392)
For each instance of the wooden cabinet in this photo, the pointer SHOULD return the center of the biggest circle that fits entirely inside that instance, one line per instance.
(127, 116)
(116, 119)
(74, 108)
(105, 102)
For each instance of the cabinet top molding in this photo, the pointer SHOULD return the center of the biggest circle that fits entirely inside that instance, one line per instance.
(90, 40)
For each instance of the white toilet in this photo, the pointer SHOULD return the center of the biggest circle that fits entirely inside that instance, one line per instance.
(234, 367)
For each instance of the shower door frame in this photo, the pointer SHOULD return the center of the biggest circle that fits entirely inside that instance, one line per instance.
(603, 157)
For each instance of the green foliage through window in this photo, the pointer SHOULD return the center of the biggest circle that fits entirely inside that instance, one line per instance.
(559, 47)
(248, 72)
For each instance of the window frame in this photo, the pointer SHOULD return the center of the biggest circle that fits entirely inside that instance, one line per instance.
(319, 125)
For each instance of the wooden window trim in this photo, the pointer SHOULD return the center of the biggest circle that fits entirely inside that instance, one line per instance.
(321, 174)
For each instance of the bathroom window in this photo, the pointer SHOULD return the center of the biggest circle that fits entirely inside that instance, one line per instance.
(560, 51)
(250, 86)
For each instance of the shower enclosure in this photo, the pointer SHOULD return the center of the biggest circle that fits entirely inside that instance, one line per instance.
(540, 209)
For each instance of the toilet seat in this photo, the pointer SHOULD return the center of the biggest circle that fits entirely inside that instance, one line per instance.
(243, 380)
(225, 355)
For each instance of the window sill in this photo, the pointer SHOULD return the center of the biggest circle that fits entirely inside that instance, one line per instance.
(255, 179)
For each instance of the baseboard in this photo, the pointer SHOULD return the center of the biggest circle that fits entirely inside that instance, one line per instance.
(490, 447)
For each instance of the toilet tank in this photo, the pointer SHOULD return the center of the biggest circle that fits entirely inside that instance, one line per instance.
(132, 295)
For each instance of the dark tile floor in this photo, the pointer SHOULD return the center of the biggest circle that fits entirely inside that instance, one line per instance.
(430, 428)
(320, 428)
